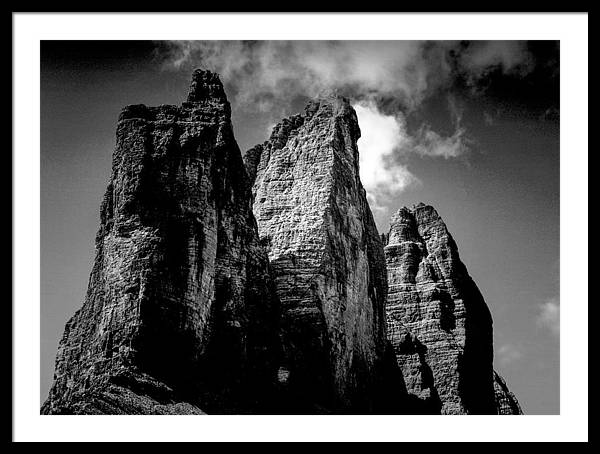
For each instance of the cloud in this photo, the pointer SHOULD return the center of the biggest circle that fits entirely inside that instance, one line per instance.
(385, 144)
(385, 80)
(265, 71)
(509, 57)
(408, 71)
(549, 316)
(430, 143)
(381, 136)
(398, 75)
(489, 118)
(508, 354)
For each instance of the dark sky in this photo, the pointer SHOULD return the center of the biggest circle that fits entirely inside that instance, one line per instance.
(471, 128)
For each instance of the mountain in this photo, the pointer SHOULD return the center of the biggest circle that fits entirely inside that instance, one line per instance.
(326, 256)
(438, 322)
(180, 314)
(260, 284)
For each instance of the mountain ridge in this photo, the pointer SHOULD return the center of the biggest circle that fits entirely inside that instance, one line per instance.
(260, 284)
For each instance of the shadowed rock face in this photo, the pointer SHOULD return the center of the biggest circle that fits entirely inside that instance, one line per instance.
(180, 312)
(326, 256)
(438, 322)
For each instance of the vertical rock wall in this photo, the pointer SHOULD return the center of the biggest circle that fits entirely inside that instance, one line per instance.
(180, 308)
(185, 314)
(326, 256)
(438, 322)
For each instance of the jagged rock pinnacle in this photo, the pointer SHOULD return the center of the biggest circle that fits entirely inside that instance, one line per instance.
(432, 296)
(221, 289)
(180, 314)
(206, 85)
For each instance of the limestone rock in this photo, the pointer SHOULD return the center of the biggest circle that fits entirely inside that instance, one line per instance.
(223, 285)
(180, 312)
(506, 402)
(438, 322)
(326, 255)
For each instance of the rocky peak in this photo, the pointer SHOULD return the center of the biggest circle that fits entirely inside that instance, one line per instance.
(206, 86)
(432, 296)
(260, 285)
(326, 256)
(330, 116)
(180, 314)
(332, 105)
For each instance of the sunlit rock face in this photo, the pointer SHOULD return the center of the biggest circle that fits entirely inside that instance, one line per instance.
(506, 402)
(180, 315)
(326, 255)
(437, 320)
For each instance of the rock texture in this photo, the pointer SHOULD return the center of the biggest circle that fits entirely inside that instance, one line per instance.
(438, 322)
(326, 255)
(223, 285)
(506, 402)
(180, 313)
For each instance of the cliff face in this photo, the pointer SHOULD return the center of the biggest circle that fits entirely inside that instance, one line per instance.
(326, 255)
(438, 322)
(506, 402)
(229, 286)
(180, 312)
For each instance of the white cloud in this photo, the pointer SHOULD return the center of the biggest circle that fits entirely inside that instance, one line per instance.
(430, 143)
(508, 354)
(385, 142)
(381, 136)
(268, 75)
(549, 315)
(266, 70)
(408, 71)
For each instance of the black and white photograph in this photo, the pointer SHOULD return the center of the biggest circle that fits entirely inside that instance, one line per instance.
(327, 231)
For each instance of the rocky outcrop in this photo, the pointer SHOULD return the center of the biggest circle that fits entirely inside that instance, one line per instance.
(327, 258)
(438, 322)
(506, 402)
(229, 286)
(180, 315)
